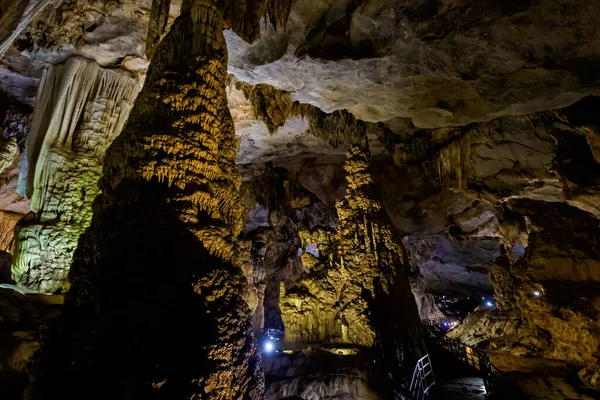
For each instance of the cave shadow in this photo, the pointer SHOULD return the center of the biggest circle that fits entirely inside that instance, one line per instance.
(134, 326)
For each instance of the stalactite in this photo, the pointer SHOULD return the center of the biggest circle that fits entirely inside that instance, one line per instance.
(243, 16)
(339, 128)
(270, 105)
(157, 280)
(81, 109)
(159, 16)
(353, 292)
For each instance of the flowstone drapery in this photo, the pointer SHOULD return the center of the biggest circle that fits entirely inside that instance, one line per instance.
(156, 307)
(356, 292)
(81, 108)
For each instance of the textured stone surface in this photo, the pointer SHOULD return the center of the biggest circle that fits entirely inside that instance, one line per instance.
(82, 109)
(320, 373)
(16, 16)
(454, 186)
(278, 208)
(169, 197)
(356, 282)
(437, 63)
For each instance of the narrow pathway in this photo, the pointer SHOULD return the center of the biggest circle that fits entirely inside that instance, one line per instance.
(454, 381)
(469, 388)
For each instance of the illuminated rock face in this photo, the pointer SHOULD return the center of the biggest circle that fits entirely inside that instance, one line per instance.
(81, 109)
(356, 292)
(156, 306)
(15, 15)
(556, 285)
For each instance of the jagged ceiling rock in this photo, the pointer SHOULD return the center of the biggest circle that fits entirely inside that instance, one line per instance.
(257, 145)
(437, 62)
(430, 64)
(108, 32)
(16, 15)
(448, 197)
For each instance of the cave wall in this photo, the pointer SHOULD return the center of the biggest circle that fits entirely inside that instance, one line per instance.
(16, 16)
(562, 263)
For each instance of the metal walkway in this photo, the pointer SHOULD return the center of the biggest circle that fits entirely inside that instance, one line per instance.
(452, 370)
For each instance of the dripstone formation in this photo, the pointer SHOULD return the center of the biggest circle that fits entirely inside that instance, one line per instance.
(179, 178)
(81, 109)
(357, 290)
(155, 298)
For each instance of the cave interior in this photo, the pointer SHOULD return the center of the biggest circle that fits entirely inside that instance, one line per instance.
(299, 199)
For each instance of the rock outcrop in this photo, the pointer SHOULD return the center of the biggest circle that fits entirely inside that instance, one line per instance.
(81, 109)
(152, 282)
(16, 15)
(428, 63)
(356, 292)
(556, 285)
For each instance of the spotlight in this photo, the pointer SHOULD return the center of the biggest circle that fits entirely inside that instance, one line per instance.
(537, 293)
(269, 347)
(489, 304)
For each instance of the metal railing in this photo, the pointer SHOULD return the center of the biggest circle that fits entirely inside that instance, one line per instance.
(422, 379)
(473, 357)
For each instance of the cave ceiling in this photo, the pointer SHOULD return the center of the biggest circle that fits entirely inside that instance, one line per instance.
(456, 94)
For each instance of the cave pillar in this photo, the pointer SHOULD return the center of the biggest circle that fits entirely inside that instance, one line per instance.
(156, 306)
(81, 108)
(357, 292)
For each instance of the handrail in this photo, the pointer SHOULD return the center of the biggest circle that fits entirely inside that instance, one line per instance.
(422, 379)
(473, 357)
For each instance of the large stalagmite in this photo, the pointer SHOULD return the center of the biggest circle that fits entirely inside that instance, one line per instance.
(356, 292)
(156, 307)
(81, 108)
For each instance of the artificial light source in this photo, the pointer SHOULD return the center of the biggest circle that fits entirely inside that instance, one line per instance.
(269, 347)
(489, 304)
(537, 293)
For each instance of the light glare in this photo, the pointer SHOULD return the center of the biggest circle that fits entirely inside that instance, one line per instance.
(269, 347)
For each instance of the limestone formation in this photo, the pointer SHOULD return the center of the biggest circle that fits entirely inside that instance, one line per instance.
(556, 283)
(278, 211)
(356, 291)
(166, 223)
(16, 16)
(81, 109)
(158, 24)
(482, 122)
(433, 63)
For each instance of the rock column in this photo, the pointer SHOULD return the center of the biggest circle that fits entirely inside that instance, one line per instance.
(156, 307)
(357, 293)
